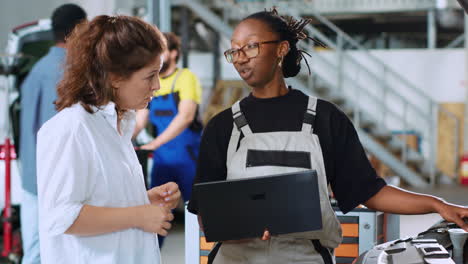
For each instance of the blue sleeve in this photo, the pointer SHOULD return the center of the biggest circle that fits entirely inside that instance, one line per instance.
(48, 95)
(30, 97)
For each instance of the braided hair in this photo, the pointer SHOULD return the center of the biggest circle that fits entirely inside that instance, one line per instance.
(291, 30)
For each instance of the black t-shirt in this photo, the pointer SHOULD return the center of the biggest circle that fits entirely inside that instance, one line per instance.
(349, 172)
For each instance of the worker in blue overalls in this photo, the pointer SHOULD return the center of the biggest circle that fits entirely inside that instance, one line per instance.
(173, 112)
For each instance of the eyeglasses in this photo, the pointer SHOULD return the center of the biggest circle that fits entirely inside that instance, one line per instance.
(250, 50)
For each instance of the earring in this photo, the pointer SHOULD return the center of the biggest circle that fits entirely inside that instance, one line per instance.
(280, 62)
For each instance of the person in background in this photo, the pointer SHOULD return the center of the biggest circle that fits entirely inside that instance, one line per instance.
(38, 93)
(464, 4)
(173, 112)
(278, 129)
(93, 203)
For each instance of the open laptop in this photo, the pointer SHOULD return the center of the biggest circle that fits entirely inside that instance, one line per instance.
(239, 209)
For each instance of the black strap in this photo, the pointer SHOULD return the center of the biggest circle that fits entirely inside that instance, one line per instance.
(175, 96)
(326, 256)
(309, 118)
(240, 121)
(163, 113)
(213, 253)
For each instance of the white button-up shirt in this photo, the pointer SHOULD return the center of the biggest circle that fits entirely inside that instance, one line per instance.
(82, 159)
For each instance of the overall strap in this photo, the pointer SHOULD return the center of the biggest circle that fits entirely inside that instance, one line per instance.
(179, 71)
(240, 124)
(239, 119)
(309, 115)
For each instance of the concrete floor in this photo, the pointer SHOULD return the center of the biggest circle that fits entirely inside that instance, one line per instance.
(173, 251)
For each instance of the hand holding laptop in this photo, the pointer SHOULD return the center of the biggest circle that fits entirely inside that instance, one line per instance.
(266, 235)
(237, 211)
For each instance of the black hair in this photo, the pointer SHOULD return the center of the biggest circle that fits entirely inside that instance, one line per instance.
(64, 19)
(464, 4)
(288, 29)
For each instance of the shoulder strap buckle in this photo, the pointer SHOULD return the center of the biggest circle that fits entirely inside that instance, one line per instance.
(239, 119)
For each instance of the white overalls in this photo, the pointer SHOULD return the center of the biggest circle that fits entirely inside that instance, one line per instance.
(263, 154)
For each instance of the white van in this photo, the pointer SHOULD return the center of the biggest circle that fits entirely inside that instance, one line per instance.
(26, 44)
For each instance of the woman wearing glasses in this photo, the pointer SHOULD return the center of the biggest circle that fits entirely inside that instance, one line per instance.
(279, 121)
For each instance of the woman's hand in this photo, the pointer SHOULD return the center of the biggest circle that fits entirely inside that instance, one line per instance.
(150, 146)
(266, 235)
(155, 219)
(167, 195)
(453, 213)
(394, 200)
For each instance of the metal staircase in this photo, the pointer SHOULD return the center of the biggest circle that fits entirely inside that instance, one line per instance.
(377, 98)
(338, 6)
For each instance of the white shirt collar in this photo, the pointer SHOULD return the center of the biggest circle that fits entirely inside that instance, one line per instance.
(110, 115)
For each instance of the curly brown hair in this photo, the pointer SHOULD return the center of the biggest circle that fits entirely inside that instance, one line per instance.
(118, 45)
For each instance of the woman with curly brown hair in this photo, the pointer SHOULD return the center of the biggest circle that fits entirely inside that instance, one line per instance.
(93, 205)
(264, 133)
